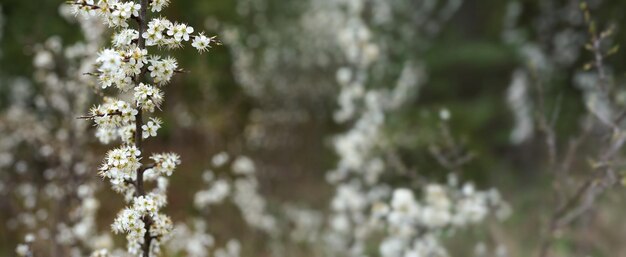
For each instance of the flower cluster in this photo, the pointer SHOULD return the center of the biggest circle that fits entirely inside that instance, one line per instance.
(120, 164)
(131, 220)
(232, 249)
(55, 143)
(242, 190)
(161, 70)
(194, 241)
(150, 129)
(413, 226)
(115, 119)
(118, 67)
(164, 33)
(148, 97)
(157, 5)
(125, 38)
(165, 163)
(202, 42)
(116, 13)
(215, 194)
(24, 250)
(113, 113)
(239, 187)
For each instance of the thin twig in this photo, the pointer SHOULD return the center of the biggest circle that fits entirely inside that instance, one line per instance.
(88, 117)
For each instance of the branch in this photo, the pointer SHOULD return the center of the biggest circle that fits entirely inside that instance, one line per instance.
(89, 117)
(97, 7)
(138, 130)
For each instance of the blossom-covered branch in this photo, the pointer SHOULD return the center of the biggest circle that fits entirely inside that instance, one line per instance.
(124, 66)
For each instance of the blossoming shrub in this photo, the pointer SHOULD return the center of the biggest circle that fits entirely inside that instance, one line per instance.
(128, 67)
(46, 189)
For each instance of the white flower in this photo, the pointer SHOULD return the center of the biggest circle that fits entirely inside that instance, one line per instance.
(162, 70)
(165, 163)
(444, 114)
(136, 58)
(127, 133)
(161, 225)
(125, 37)
(404, 211)
(219, 190)
(100, 253)
(148, 97)
(348, 198)
(120, 164)
(157, 5)
(243, 165)
(436, 196)
(29, 238)
(392, 247)
(22, 250)
(202, 43)
(155, 31)
(83, 7)
(471, 210)
(220, 159)
(233, 249)
(105, 134)
(109, 60)
(151, 127)
(122, 11)
(113, 69)
(180, 32)
(129, 220)
(146, 205)
(433, 217)
(113, 113)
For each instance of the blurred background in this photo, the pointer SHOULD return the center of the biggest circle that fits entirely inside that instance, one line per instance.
(460, 80)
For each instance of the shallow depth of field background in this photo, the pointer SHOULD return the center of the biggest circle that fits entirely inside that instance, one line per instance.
(287, 131)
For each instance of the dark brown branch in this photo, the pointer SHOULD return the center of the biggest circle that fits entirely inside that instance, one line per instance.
(91, 6)
(88, 117)
(92, 73)
(129, 182)
(141, 43)
(96, 7)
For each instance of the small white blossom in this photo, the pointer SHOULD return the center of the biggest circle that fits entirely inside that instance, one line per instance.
(202, 43)
(120, 164)
(162, 70)
(165, 163)
(180, 32)
(148, 97)
(125, 37)
(113, 113)
(100, 253)
(220, 159)
(22, 250)
(232, 249)
(121, 12)
(243, 165)
(29, 238)
(157, 5)
(151, 127)
(154, 35)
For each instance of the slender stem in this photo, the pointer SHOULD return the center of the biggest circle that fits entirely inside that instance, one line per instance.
(574, 205)
(141, 43)
(599, 59)
(87, 117)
